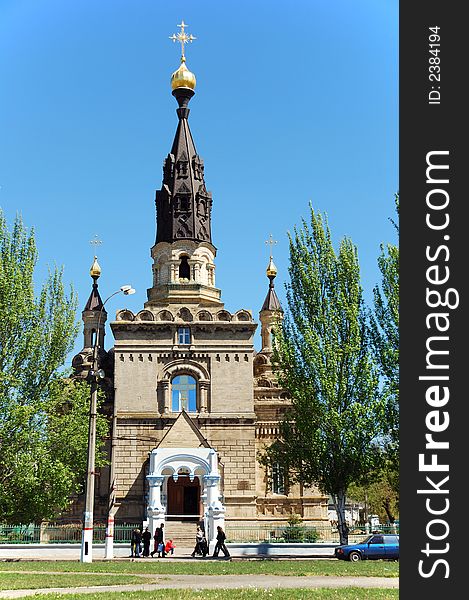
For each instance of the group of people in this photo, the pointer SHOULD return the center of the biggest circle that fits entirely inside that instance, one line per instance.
(201, 545)
(160, 547)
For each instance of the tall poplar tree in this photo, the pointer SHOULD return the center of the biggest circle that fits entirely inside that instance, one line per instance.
(322, 356)
(385, 330)
(43, 418)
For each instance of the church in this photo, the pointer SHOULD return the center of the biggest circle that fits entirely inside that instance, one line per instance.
(190, 400)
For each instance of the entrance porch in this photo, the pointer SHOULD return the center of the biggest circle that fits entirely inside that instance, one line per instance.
(185, 486)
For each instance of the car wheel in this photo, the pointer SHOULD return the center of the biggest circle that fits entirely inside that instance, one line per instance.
(354, 556)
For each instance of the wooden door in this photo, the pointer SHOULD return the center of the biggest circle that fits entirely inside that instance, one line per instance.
(183, 496)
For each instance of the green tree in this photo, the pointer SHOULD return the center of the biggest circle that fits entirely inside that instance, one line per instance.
(379, 493)
(36, 333)
(384, 328)
(45, 466)
(321, 352)
(43, 418)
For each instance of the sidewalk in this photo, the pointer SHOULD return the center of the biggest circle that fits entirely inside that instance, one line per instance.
(222, 581)
(248, 551)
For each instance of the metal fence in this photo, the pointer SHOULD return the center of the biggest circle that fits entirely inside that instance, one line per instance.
(256, 534)
(60, 534)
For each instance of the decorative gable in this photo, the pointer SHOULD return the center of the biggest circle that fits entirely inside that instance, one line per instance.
(184, 432)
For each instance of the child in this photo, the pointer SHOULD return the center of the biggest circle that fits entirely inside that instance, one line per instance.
(169, 548)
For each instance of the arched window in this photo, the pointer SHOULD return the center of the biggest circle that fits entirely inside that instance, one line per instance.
(184, 268)
(184, 394)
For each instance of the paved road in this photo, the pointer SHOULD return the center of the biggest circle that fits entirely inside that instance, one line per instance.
(196, 582)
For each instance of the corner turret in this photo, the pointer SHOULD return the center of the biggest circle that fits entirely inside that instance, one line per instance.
(94, 317)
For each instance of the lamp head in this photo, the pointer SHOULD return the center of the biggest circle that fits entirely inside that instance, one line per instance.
(127, 289)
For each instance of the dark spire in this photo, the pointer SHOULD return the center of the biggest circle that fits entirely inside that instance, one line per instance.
(271, 301)
(94, 301)
(183, 205)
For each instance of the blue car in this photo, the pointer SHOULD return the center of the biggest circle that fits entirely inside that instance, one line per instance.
(374, 547)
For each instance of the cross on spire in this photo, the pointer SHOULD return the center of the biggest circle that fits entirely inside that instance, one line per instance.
(183, 38)
(95, 242)
(271, 243)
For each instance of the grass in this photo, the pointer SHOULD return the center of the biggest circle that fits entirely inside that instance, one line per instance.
(67, 574)
(224, 594)
(323, 567)
(32, 581)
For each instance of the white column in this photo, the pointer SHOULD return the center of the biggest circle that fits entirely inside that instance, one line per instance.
(156, 510)
(214, 511)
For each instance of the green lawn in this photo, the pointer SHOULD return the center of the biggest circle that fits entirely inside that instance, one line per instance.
(30, 581)
(375, 568)
(223, 594)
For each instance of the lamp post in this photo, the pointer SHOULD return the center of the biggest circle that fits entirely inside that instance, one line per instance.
(96, 374)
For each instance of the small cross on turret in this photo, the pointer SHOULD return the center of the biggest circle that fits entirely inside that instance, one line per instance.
(271, 242)
(183, 38)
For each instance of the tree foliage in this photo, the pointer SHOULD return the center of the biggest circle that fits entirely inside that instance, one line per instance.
(379, 493)
(45, 465)
(384, 328)
(36, 333)
(322, 358)
(43, 418)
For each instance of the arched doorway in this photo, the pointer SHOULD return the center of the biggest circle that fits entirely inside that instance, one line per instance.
(183, 498)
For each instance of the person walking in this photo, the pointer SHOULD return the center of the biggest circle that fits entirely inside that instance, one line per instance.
(159, 542)
(220, 545)
(156, 536)
(200, 543)
(146, 539)
(135, 543)
(163, 552)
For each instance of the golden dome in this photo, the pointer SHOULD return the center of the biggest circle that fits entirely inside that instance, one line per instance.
(95, 270)
(183, 77)
(271, 269)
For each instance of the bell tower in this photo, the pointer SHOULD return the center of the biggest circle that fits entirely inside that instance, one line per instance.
(183, 254)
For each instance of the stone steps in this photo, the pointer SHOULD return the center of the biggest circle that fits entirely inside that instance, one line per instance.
(181, 532)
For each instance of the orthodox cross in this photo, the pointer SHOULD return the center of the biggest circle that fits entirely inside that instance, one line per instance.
(182, 37)
(95, 242)
(271, 243)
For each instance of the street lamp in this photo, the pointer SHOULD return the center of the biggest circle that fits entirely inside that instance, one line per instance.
(96, 375)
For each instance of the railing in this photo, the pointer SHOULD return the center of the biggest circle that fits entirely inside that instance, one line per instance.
(259, 534)
(256, 534)
(61, 534)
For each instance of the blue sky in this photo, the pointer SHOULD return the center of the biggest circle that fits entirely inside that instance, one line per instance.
(295, 102)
